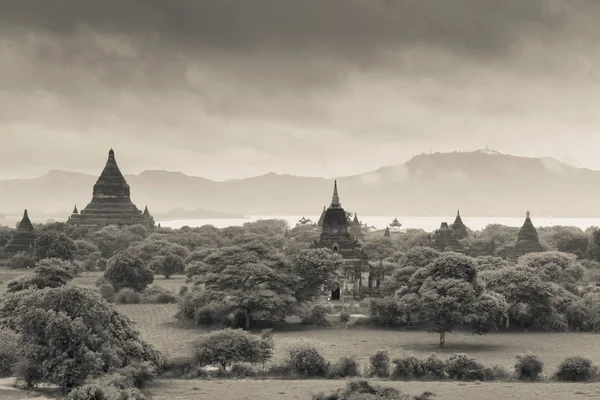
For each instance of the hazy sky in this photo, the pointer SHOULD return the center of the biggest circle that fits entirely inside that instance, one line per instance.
(232, 88)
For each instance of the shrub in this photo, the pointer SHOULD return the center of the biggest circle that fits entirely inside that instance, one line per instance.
(21, 261)
(127, 296)
(138, 373)
(224, 347)
(8, 351)
(28, 372)
(90, 392)
(157, 295)
(306, 361)
(316, 316)
(408, 367)
(363, 390)
(528, 367)
(243, 371)
(380, 364)
(107, 291)
(576, 369)
(434, 367)
(461, 367)
(344, 316)
(345, 367)
(183, 290)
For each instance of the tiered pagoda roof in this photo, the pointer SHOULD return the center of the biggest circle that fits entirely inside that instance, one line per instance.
(111, 202)
(322, 217)
(356, 227)
(528, 240)
(23, 238)
(459, 227)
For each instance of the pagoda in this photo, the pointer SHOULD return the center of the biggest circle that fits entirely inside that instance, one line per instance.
(356, 227)
(395, 224)
(446, 238)
(23, 238)
(321, 218)
(111, 203)
(336, 236)
(459, 227)
(387, 232)
(528, 240)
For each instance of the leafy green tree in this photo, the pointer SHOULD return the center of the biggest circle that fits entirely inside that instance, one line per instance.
(70, 333)
(167, 265)
(254, 280)
(318, 272)
(128, 271)
(49, 272)
(111, 240)
(449, 293)
(267, 227)
(52, 244)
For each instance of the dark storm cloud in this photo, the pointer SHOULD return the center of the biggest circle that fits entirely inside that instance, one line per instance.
(277, 80)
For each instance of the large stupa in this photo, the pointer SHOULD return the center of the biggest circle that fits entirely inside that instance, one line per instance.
(23, 238)
(111, 203)
(528, 240)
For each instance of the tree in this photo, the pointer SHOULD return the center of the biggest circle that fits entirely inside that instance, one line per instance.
(254, 280)
(317, 270)
(153, 247)
(127, 271)
(449, 293)
(167, 265)
(225, 347)
(70, 333)
(52, 244)
(111, 240)
(49, 272)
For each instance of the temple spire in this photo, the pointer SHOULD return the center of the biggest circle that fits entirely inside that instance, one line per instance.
(75, 211)
(528, 214)
(25, 224)
(335, 200)
(387, 232)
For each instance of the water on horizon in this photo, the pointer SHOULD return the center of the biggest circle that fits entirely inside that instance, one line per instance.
(380, 222)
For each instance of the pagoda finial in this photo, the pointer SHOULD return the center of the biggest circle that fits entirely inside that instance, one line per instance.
(527, 215)
(335, 200)
(75, 211)
(458, 213)
(25, 215)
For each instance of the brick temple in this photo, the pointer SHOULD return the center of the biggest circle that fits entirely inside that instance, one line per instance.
(336, 236)
(111, 202)
(23, 238)
(528, 240)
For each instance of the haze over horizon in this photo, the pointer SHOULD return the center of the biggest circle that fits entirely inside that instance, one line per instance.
(225, 89)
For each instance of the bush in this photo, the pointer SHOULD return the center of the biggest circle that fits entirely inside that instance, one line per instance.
(434, 367)
(316, 316)
(158, 295)
(8, 352)
(183, 290)
(21, 261)
(461, 367)
(306, 361)
(344, 317)
(363, 390)
(90, 392)
(528, 367)
(407, 368)
(128, 296)
(28, 372)
(138, 374)
(243, 371)
(224, 347)
(345, 367)
(380, 364)
(107, 291)
(576, 369)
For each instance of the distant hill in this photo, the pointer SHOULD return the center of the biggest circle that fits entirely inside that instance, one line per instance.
(480, 183)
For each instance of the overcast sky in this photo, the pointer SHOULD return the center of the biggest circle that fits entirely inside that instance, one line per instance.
(231, 88)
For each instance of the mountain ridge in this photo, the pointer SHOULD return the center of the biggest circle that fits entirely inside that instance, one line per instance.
(480, 183)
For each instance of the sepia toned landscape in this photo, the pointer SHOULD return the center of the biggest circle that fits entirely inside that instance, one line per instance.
(299, 199)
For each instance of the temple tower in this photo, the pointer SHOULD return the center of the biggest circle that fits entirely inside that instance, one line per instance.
(23, 238)
(528, 240)
(111, 203)
(336, 236)
(356, 227)
(459, 228)
(387, 232)
(322, 218)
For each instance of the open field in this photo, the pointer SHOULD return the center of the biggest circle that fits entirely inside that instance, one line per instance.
(302, 390)
(89, 279)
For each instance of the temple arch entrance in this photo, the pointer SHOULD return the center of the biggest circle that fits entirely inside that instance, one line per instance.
(335, 293)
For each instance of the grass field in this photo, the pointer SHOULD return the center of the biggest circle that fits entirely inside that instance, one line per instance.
(175, 338)
(303, 390)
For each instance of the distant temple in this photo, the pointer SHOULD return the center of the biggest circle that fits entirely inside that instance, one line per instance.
(387, 232)
(336, 236)
(356, 227)
(447, 237)
(23, 238)
(528, 240)
(395, 225)
(322, 218)
(305, 222)
(111, 203)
